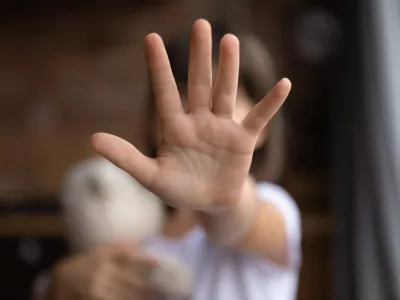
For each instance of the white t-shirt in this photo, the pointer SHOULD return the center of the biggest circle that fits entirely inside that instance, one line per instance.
(223, 274)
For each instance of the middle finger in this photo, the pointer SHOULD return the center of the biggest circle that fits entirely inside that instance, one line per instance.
(200, 69)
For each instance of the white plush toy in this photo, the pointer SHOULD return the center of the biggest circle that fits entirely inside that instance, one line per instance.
(103, 204)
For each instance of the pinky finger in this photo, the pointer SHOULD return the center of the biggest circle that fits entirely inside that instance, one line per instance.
(262, 112)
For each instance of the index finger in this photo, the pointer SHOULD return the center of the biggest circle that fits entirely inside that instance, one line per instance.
(163, 84)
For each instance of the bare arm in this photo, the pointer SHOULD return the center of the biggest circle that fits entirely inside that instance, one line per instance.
(252, 225)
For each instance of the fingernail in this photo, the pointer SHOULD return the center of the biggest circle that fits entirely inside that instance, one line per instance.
(285, 80)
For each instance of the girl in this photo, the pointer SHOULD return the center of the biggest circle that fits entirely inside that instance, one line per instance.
(241, 238)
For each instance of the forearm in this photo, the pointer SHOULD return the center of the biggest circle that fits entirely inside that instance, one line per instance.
(252, 225)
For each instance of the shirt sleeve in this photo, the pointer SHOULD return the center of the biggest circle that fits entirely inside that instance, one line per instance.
(281, 199)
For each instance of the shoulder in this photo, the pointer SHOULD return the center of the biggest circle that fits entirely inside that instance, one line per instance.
(277, 195)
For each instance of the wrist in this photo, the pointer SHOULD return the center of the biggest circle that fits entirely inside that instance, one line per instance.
(228, 225)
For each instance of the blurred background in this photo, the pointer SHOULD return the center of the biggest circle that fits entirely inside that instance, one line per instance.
(73, 68)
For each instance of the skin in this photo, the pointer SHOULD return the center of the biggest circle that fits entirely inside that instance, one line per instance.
(183, 220)
(106, 272)
(202, 169)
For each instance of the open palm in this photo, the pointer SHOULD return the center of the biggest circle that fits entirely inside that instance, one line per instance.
(204, 158)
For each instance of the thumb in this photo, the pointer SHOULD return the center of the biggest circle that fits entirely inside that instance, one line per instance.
(125, 156)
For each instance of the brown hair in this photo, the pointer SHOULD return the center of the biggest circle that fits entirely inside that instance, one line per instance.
(256, 76)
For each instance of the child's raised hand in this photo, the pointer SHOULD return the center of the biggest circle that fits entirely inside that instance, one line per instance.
(204, 158)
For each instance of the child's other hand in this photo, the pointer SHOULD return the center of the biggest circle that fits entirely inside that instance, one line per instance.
(204, 158)
(109, 272)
